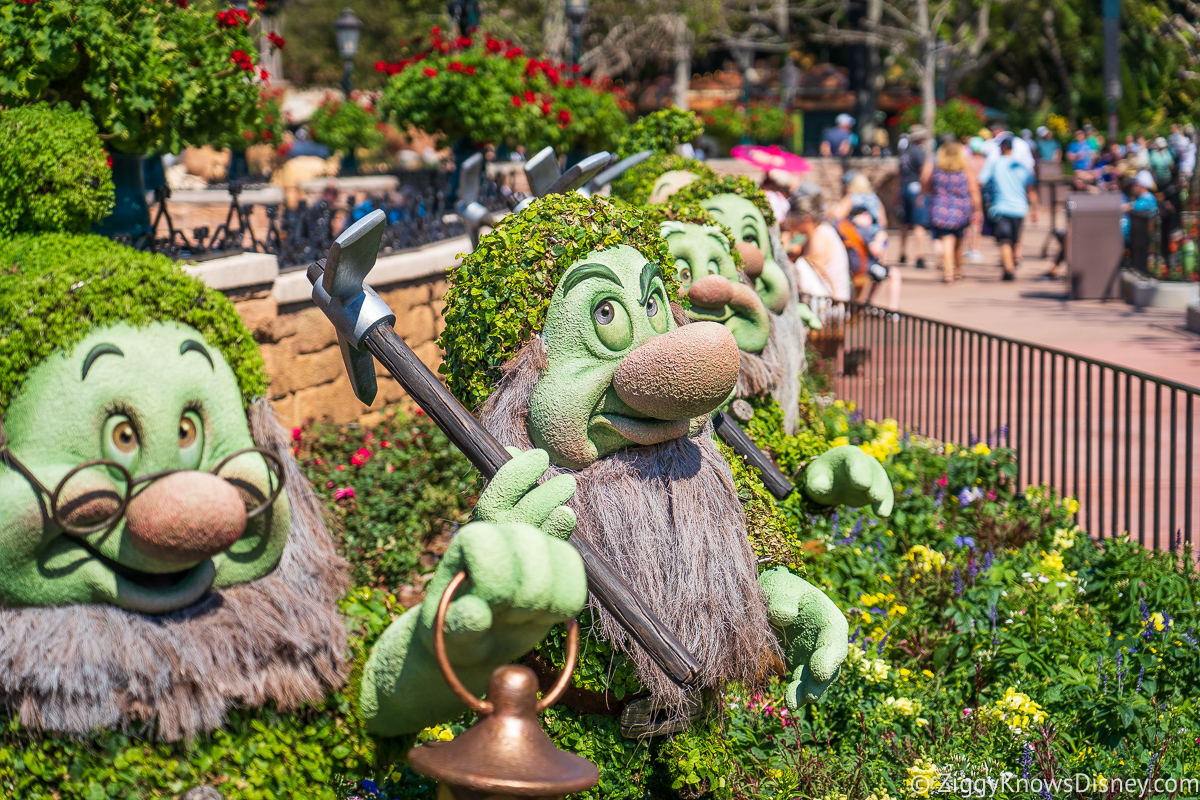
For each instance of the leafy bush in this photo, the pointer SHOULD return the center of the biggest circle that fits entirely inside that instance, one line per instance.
(661, 132)
(273, 123)
(185, 73)
(54, 173)
(726, 124)
(397, 490)
(958, 116)
(766, 122)
(490, 91)
(346, 126)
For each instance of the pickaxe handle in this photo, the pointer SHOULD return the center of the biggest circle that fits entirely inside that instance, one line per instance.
(733, 435)
(482, 450)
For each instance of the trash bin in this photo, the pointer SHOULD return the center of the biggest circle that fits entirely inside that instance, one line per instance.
(1095, 245)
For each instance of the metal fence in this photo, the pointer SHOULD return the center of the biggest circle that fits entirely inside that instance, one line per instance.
(418, 213)
(1119, 440)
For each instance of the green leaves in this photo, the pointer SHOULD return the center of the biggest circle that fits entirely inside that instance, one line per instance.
(345, 127)
(152, 76)
(54, 174)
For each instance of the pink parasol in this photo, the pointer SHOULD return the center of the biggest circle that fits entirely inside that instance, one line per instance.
(770, 158)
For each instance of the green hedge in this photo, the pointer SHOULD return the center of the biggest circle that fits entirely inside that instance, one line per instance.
(54, 173)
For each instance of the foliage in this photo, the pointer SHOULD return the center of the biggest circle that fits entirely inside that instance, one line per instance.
(56, 288)
(661, 132)
(634, 185)
(725, 123)
(766, 122)
(273, 123)
(499, 296)
(958, 116)
(361, 473)
(261, 754)
(186, 74)
(701, 190)
(54, 174)
(487, 91)
(346, 126)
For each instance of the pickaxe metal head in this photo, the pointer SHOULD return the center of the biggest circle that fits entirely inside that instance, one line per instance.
(545, 178)
(468, 206)
(351, 305)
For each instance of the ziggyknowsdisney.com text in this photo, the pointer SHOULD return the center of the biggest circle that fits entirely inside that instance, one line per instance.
(1008, 784)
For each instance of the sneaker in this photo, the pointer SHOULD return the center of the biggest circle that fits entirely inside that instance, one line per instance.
(903, 258)
(920, 263)
(1009, 276)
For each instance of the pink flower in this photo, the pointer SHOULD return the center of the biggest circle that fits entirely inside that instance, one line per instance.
(360, 457)
(390, 469)
(296, 434)
(340, 467)
(943, 481)
(966, 712)
(385, 443)
(344, 494)
(329, 485)
(991, 494)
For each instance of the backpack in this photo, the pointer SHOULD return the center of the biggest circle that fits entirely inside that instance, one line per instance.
(856, 248)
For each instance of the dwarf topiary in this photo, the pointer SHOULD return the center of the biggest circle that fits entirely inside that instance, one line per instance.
(661, 131)
(54, 173)
(165, 569)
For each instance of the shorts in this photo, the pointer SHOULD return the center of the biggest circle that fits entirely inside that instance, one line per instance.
(1007, 230)
(912, 206)
(941, 233)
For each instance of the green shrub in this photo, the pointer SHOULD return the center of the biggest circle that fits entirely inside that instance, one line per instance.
(958, 116)
(726, 124)
(54, 173)
(397, 491)
(346, 126)
(661, 132)
(154, 77)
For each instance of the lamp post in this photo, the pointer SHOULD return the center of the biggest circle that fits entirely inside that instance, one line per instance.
(349, 28)
(576, 12)
(464, 14)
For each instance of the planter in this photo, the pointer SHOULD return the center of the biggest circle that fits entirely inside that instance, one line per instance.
(1141, 291)
(1193, 318)
(130, 215)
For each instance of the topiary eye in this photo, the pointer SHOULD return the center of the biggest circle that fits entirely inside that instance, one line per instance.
(612, 324)
(124, 437)
(684, 271)
(119, 441)
(191, 439)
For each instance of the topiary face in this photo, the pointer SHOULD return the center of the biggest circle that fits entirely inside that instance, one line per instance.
(750, 227)
(153, 399)
(619, 372)
(709, 277)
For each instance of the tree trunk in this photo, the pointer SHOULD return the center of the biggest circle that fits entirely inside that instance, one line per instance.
(929, 72)
(683, 62)
(555, 41)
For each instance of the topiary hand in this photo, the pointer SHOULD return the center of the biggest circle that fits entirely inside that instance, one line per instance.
(514, 495)
(521, 583)
(810, 318)
(814, 633)
(847, 476)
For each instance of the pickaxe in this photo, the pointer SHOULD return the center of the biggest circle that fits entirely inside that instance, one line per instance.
(364, 329)
(545, 177)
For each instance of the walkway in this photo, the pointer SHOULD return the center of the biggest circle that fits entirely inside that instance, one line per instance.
(1036, 311)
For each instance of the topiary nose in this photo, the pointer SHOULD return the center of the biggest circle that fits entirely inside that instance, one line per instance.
(681, 374)
(711, 291)
(186, 517)
(753, 259)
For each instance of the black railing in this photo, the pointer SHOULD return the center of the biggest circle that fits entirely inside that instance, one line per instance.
(1119, 440)
(418, 213)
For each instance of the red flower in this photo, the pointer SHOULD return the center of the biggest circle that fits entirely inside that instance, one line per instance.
(564, 117)
(264, 75)
(570, 83)
(248, 136)
(232, 18)
(575, 68)
(516, 101)
(297, 434)
(430, 72)
(529, 97)
(241, 59)
(455, 66)
(470, 70)
(107, 157)
(545, 109)
(493, 45)
(463, 42)
(276, 40)
(261, 4)
(586, 81)
(267, 135)
(181, 3)
(435, 31)
(360, 457)
(512, 53)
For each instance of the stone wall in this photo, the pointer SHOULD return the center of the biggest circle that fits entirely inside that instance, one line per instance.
(299, 346)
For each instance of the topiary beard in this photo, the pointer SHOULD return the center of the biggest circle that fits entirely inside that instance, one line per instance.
(279, 639)
(668, 520)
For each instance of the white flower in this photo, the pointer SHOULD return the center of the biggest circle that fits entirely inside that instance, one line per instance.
(1061, 584)
(1043, 579)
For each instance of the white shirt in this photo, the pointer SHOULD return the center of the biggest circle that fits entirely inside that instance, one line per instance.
(836, 280)
(1020, 150)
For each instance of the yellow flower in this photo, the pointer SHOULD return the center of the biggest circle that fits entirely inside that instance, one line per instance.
(839, 441)
(981, 449)
(1016, 710)
(1157, 620)
(904, 673)
(922, 778)
(1064, 539)
(437, 733)
(898, 610)
(1072, 506)
(927, 673)
(885, 578)
(924, 559)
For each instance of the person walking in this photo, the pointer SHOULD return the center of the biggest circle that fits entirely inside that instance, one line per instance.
(1014, 197)
(913, 215)
(974, 238)
(1162, 163)
(1048, 148)
(954, 203)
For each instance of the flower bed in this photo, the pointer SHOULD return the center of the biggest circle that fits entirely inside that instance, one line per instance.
(990, 635)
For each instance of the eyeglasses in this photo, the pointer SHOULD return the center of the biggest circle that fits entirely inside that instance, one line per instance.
(102, 505)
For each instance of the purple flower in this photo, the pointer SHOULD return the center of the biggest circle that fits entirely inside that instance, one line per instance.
(1141, 675)
(964, 541)
(956, 576)
(1026, 760)
(882, 643)
(854, 637)
(1145, 610)
(988, 558)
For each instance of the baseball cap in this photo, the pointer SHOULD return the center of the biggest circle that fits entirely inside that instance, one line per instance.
(1145, 179)
(844, 119)
(1043, 130)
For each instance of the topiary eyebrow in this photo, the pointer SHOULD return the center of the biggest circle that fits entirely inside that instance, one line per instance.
(647, 279)
(99, 350)
(191, 345)
(585, 271)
